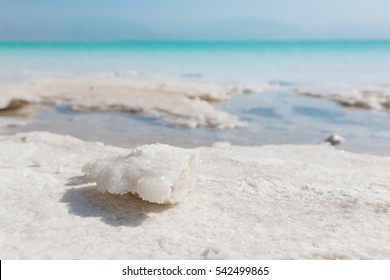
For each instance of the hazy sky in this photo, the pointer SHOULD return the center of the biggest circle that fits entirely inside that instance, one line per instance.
(330, 18)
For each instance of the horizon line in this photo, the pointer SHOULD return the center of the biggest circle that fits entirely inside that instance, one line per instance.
(322, 40)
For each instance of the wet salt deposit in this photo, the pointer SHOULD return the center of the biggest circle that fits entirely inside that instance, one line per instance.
(184, 104)
(367, 99)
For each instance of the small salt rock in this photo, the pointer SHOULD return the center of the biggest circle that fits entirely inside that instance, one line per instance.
(335, 139)
(157, 173)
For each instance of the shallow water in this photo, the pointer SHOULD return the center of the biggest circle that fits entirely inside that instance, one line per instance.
(275, 117)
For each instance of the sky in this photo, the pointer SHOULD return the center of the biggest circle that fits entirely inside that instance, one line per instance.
(193, 19)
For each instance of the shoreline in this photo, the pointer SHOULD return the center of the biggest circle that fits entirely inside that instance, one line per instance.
(178, 102)
(187, 112)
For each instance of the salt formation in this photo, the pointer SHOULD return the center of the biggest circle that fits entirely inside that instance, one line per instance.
(368, 99)
(157, 173)
(177, 102)
(335, 139)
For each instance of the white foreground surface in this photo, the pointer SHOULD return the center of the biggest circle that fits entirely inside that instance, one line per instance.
(271, 202)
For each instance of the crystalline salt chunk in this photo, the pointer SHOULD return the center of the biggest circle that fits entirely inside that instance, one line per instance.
(156, 173)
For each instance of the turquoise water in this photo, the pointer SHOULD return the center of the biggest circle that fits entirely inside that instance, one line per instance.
(296, 62)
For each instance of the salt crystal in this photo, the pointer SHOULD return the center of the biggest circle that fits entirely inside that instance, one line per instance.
(157, 173)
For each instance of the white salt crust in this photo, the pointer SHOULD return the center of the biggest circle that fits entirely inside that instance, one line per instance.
(261, 202)
(376, 98)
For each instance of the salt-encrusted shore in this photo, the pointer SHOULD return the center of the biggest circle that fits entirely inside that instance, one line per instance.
(268, 202)
(371, 98)
(178, 102)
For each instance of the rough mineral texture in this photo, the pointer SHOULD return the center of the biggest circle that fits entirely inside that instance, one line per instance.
(156, 173)
(268, 202)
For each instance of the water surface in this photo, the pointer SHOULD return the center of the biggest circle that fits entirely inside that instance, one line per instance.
(272, 117)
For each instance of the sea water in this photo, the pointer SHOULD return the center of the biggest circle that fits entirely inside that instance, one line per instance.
(273, 117)
(328, 62)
